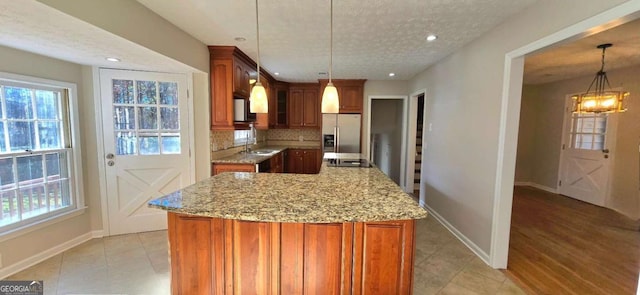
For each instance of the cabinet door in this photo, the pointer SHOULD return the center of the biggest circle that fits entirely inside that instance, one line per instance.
(221, 93)
(383, 262)
(296, 104)
(311, 165)
(220, 168)
(311, 108)
(197, 254)
(295, 161)
(351, 99)
(281, 108)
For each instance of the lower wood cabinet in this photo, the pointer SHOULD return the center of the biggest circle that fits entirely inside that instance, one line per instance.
(218, 168)
(223, 256)
(304, 161)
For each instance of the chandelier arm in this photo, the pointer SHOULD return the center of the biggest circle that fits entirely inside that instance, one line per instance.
(591, 85)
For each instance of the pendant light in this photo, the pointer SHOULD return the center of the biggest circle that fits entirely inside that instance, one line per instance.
(330, 100)
(599, 100)
(258, 102)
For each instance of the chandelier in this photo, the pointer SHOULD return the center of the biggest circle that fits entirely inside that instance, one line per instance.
(600, 100)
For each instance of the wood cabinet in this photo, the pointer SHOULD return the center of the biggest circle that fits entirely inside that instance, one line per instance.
(350, 93)
(278, 105)
(304, 105)
(218, 168)
(230, 73)
(304, 161)
(277, 163)
(223, 256)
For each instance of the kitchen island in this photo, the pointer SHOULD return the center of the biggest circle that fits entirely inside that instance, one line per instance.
(342, 231)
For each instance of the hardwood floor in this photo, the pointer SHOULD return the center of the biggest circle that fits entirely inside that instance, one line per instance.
(560, 245)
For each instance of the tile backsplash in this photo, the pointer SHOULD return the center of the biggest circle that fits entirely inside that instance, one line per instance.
(222, 140)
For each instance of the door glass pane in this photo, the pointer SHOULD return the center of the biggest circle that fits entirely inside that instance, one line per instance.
(47, 104)
(123, 91)
(123, 118)
(148, 117)
(22, 136)
(169, 93)
(126, 143)
(146, 92)
(149, 145)
(49, 135)
(171, 144)
(18, 101)
(169, 118)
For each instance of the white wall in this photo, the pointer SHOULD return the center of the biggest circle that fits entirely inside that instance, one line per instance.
(32, 243)
(463, 99)
(540, 137)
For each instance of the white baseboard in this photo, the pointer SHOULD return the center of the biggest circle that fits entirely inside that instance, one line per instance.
(538, 186)
(466, 241)
(44, 255)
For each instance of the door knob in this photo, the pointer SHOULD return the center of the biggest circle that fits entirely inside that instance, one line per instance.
(110, 156)
(110, 163)
(606, 151)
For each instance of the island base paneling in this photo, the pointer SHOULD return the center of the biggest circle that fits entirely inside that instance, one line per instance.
(225, 256)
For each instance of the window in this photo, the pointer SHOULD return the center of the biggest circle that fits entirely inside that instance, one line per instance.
(35, 153)
(241, 137)
(588, 131)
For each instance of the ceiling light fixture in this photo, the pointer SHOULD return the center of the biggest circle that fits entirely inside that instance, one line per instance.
(432, 37)
(240, 39)
(330, 100)
(392, 74)
(599, 100)
(276, 73)
(258, 102)
(113, 59)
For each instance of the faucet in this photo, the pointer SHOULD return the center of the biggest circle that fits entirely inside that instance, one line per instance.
(254, 140)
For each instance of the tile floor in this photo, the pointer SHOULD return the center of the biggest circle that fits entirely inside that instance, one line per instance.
(138, 264)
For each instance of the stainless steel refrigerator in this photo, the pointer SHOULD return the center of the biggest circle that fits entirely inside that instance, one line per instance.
(341, 133)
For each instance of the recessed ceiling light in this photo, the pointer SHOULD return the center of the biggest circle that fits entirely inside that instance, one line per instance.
(432, 37)
(240, 39)
(392, 74)
(276, 73)
(113, 59)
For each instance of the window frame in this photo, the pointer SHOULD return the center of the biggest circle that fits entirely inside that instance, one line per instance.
(71, 143)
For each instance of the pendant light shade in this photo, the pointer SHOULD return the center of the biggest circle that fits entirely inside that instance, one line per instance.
(258, 99)
(330, 99)
(600, 100)
(258, 102)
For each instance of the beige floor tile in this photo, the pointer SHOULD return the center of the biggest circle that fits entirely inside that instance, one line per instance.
(456, 253)
(510, 288)
(477, 283)
(455, 289)
(478, 266)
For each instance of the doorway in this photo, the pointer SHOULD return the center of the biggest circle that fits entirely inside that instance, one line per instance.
(386, 140)
(145, 139)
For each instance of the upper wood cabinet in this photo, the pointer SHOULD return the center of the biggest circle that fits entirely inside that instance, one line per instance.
(278, 105)
(231, 72)
(350, 93)
(304, 105)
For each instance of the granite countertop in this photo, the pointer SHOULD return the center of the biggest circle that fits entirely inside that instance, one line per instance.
(248, 158)
(334, 195)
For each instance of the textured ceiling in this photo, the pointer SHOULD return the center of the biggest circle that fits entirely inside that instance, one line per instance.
(32, 26)
(371, 38)
(581, 57)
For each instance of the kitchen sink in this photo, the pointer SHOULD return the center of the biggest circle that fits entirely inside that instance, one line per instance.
(263, 152)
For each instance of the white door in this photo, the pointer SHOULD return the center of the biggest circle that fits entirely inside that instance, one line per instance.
(146, 145)
(587, 151)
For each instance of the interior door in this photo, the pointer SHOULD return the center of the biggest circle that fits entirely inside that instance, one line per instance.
(587, 151)
(146, 145)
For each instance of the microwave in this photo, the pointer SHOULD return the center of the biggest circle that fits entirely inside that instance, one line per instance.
(241, 111)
